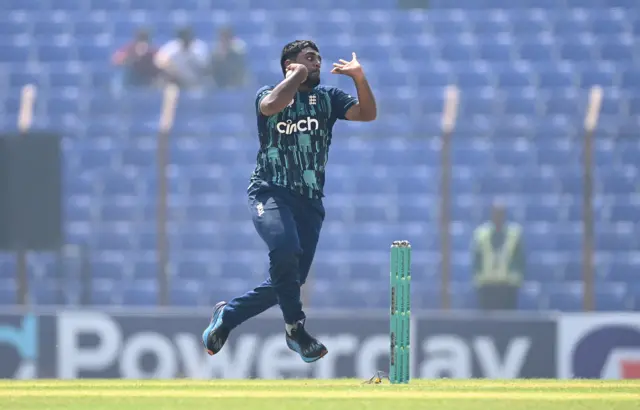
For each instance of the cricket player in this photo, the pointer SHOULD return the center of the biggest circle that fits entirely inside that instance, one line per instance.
(295, 121)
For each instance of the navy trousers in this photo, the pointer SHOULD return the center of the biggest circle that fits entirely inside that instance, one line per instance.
(290, 226)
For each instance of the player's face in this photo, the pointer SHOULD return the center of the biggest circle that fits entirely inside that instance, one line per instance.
(311, 59)
(498, 216)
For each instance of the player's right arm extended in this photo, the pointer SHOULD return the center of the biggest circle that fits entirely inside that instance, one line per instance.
(278, 99)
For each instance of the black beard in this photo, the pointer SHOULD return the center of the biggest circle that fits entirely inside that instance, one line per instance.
(311, 82)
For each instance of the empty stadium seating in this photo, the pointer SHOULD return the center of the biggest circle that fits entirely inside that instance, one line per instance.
(524, 68)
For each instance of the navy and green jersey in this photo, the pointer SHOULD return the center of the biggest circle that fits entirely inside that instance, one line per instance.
(294, 143)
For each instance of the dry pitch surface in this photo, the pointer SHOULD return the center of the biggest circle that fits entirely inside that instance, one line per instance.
(319, 395)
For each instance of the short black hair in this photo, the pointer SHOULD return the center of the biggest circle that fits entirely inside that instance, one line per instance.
(292, 49)
(143, 34)
(184, 33)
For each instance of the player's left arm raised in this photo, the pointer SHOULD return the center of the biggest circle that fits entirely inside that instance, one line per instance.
(365, 109)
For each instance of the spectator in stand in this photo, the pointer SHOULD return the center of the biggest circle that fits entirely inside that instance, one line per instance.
(135, 61)
(498, 262)
(228, 66)
(184, 60)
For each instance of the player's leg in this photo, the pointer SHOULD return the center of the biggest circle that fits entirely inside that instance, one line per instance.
(309, 217)
(274, 221)
(227, 316)
(263, 297)
(252, 303)
(309, 222)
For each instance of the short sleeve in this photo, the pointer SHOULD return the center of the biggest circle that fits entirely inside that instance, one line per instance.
(169, 48)
(201, 50)
(262, 92)
(341, 102)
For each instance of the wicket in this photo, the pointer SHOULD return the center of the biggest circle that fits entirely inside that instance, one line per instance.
(400, 314)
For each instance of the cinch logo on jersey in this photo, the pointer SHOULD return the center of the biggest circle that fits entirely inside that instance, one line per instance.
(599, 346)
(304, 125)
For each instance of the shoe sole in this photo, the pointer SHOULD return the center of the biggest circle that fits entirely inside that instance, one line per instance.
(314, 359)
(217, 310)
(309, 359)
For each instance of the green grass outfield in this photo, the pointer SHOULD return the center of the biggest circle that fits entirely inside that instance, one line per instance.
(319, 395)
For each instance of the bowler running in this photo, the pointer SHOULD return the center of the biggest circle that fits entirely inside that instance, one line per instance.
(295, 122)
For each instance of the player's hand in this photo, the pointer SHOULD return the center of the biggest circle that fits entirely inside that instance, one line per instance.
(351, 68)
(295, 68)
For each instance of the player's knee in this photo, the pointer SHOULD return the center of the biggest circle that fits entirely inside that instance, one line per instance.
(285, 260)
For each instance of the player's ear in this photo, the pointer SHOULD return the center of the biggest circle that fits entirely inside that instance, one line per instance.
(285, 64)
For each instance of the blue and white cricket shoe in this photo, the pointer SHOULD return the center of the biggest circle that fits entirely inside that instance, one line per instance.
(215, 335)
(308, 347)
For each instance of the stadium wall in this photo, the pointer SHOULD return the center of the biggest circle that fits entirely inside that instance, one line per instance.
(70, 344)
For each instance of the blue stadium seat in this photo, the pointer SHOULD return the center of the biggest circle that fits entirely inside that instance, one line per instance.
(145, 264)
(536, 51)
(496, 52)
(108, 266)
(47, 292)
(192, 269)
(140, 293)
(614, 50)
(118, 239)
(425, 296)
(463, 296)
(106, 292)
(510, 78)
(569, 24)
(576, 51)
(485, 26)
(8, 292)
(10, 27)
(13, 53)
(529, 297)
(92, 52)
(611, 297)
(605, 25)
(566, 297)
(185, 293)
